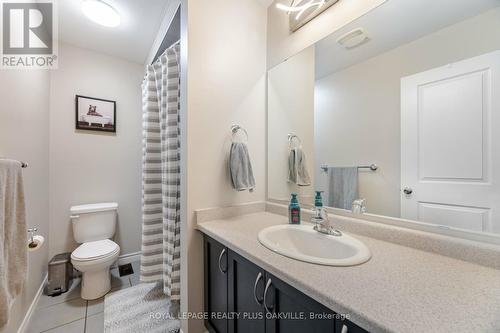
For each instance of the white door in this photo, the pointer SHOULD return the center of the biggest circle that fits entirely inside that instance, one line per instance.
(450, 145)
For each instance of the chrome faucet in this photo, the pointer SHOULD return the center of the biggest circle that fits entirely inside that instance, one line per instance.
(358, 206)
(322, 222)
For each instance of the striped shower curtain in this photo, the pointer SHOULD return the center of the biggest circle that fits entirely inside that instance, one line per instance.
(160, 257)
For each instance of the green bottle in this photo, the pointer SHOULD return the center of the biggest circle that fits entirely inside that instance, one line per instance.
(294, 210)
(318, 200)
(318, 210)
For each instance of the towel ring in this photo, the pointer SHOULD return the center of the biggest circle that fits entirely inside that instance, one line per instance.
(291, 137)
(236, 128)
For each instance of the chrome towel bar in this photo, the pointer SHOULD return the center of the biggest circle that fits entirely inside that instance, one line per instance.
(23, 164)
(372, 167)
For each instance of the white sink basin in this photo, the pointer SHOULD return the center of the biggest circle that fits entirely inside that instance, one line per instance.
(303, 243)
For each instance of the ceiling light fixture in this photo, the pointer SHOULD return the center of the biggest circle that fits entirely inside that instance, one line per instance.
(101, 13)
(300, 8)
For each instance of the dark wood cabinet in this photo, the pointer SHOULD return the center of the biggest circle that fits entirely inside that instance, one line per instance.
(241, 297)
(215, 260)
(289, 310)
(245, 295)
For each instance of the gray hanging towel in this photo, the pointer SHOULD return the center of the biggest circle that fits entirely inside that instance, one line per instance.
(240, 167)
(13, 241)
(297, 168)
(342, 187)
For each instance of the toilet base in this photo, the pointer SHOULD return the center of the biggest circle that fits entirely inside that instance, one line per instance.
(95, 284)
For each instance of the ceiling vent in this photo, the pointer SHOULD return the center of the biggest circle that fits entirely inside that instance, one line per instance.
(353, 38)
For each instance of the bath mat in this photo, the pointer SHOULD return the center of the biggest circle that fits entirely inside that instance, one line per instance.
(141, 308)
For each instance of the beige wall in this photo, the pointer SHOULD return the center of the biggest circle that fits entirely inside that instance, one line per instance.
(358, 109)
(290, 110)
(282, 44)
(226, 68)
(24, 135)
(89, 167)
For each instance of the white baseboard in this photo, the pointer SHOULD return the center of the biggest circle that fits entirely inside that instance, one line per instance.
(24, 324)
(128, 258)
(123, 259)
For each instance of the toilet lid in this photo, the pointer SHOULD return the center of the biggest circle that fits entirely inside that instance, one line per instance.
(95, 250)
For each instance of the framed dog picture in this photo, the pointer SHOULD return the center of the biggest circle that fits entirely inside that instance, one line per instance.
(95, 114)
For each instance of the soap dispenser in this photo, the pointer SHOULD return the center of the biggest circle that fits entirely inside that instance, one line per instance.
(294, 210)
(319, 213)
(320, 218)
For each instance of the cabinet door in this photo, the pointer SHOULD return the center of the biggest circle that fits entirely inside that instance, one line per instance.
(245, 295)
(290, 311)
(345, 326)
(215, 258)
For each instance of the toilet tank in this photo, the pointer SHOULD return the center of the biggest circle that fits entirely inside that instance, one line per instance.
(94, 222)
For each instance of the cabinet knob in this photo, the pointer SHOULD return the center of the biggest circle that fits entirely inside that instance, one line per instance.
(220, 259)
(344, 329)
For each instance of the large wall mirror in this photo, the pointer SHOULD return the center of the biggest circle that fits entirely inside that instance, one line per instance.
(400, 108)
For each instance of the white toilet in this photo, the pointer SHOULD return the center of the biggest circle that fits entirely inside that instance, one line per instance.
(93, 227)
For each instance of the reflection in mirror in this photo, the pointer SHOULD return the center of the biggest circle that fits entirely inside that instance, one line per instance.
(401, 108)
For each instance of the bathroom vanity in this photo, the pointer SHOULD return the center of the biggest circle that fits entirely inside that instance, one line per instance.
(408, 285)
(396, 120)
(256, 300)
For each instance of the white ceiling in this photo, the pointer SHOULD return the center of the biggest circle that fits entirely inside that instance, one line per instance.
(132, 40)
(394, 23)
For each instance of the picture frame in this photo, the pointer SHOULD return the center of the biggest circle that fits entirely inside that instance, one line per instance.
(95, 114)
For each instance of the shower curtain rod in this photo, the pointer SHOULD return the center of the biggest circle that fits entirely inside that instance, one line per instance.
(172, 35)
(173, 44)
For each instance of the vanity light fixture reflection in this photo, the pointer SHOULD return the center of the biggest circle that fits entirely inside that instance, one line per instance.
(299, 7)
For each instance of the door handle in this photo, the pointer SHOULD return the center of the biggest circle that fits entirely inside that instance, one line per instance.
(344, 329)
(407, 190)
(259, 277)
(220, 258)
(270, 307)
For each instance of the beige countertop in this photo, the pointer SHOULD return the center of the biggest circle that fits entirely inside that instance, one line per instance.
(401, 289)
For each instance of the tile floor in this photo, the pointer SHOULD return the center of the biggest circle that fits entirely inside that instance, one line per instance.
(68, 313)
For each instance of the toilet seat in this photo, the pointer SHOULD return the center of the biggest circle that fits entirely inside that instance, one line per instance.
(93, 260)
(96, 250)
